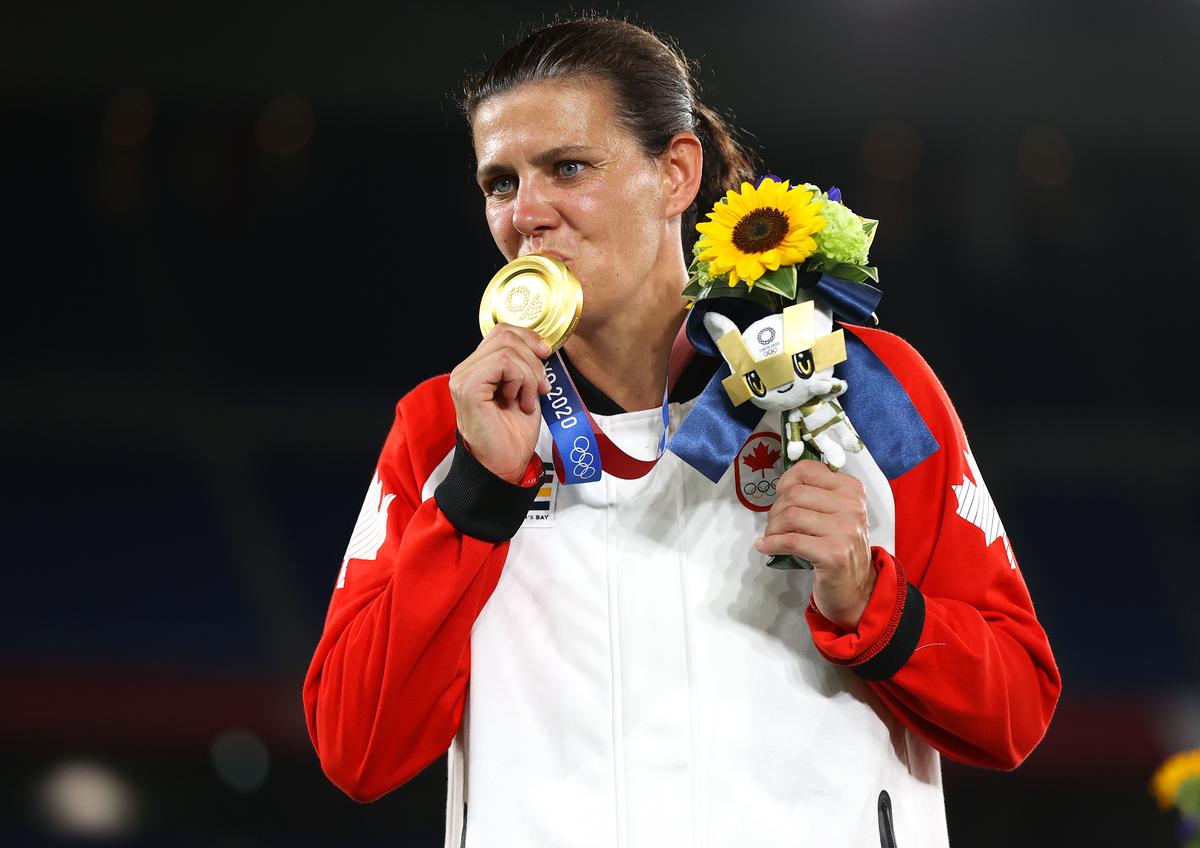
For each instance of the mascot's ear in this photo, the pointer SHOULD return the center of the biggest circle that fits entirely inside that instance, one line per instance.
(718, 325)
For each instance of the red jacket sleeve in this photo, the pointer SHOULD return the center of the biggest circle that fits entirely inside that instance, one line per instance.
(949, 639)
(385, 691)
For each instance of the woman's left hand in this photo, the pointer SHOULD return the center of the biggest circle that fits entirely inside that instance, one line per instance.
(821, 515)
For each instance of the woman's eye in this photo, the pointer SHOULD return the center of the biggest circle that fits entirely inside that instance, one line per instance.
(569, 169)
(502, 185)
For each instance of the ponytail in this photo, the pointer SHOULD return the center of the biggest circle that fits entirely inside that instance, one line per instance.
(727, 164)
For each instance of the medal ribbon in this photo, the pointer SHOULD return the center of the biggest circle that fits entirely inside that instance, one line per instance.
(582, 451)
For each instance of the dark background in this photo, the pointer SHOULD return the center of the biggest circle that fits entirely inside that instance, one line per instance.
(236, 233)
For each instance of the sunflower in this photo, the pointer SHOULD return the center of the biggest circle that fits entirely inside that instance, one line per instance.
(760, 229)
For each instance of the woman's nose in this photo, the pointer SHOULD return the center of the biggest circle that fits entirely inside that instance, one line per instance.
(533, 211)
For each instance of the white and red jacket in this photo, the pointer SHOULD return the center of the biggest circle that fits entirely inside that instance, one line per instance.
(617, 666)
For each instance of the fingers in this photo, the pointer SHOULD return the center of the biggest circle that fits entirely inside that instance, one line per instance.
(796, 519)
(515, 378)
(533, 350)
(505, 333)
(819, 519)
(498, 374)
(508, 363)
(821, 516)
(518, 339)
(811, 548)
(495, 393)
(824, 552)
(809, 472)
(806, 497)
(814, 501)
(784, 544)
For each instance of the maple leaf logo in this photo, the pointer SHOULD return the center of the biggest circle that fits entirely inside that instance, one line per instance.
(370, 531)
(761, 458)
(976, 506)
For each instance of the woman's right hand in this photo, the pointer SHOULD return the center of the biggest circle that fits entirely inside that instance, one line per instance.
(495, 392)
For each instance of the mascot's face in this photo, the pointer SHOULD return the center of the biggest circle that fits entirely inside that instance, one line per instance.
(765, 338)
(774, 379)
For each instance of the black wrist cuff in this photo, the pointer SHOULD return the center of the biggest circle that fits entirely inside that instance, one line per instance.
(480, 504)
(903, 642)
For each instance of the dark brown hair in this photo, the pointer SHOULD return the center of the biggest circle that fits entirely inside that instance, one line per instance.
(654, 89)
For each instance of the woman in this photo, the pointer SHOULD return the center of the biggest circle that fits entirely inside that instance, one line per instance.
(633, 674)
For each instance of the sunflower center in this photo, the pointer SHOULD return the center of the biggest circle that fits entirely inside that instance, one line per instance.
(760, 230)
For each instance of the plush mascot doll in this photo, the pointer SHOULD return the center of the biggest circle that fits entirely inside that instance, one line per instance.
(778, 365)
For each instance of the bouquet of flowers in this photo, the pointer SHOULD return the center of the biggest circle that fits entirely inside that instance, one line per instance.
(1177, 784)
(752, 248)
(760, 236)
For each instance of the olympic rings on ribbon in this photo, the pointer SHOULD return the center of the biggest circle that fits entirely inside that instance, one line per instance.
(582, 458)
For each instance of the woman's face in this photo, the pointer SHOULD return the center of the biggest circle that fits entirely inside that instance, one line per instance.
(560, 176)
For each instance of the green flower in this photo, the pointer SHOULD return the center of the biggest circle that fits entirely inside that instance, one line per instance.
(701, 272)
(843, 238)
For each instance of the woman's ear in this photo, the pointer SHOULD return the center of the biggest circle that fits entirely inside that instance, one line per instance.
(682, 164)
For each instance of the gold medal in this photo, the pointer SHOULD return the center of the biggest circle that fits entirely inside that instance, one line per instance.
(536, 292)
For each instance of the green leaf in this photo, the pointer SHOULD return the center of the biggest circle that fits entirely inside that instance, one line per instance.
(701, 270)
(693, 288)
(781, 281)
(857, 273)
(818, 263)
(869, 225)
(771, 301)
